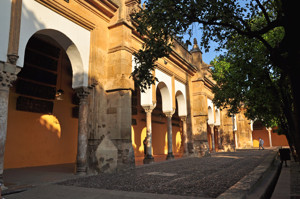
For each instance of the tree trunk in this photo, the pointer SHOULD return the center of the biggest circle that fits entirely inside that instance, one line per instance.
(292, 41)
(295, 85)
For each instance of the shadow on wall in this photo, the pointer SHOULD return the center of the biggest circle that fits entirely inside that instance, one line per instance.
(56, 140)
(226, 142)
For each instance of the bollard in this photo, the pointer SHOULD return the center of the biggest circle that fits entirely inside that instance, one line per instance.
(284, 155)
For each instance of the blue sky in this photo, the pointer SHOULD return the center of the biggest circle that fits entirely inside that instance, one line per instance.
(206, 56)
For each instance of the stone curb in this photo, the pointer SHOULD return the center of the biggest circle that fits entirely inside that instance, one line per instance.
(251, 181)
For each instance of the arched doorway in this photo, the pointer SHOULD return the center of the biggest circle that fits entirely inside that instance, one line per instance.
(270, 138)
(260, 131)
(177, 136)
(159, 128)
(138, 126)
(210, 121)
(180, 116)
(43, 109)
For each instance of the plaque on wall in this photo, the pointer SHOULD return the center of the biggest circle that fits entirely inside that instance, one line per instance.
(34, 105)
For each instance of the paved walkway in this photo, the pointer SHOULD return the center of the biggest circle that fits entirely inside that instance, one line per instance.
(288, 185)
(71, 192)
(157, 158)
(24, 178)
(183, 178)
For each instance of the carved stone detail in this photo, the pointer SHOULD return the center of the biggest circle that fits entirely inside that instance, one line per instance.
(12, 58)
(82, 94)
(6, 79)
(132, 7)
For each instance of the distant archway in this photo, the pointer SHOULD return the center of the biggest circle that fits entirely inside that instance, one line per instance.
(165, 96)
(181, 103)
(159, 126)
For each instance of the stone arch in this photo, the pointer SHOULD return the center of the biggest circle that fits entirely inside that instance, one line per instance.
(38, 19)
(46, 124)
(166, 97)
(182, 110)
(80, 77)
(210, 115)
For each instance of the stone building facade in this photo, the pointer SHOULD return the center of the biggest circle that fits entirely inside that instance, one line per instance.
(66, 95)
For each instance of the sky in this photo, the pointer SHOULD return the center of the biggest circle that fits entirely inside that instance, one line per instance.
(206, 56)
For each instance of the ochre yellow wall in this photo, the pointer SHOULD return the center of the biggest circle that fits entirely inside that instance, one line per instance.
(34, 140)
(159, 131)
(263, 134)
(277, 140)
(159, 139)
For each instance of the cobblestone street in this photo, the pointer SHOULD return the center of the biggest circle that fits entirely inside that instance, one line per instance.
(201, 177)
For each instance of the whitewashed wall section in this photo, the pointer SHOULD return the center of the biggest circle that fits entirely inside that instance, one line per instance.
(146, 97)
(5, 9)
(36, 18)
(210, 106)
(165, 87)
(218, 117)
(180, 94)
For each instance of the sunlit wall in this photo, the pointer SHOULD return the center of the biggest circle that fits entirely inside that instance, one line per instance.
(35, 139)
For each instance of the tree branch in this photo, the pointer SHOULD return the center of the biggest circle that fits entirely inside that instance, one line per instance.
(263, 11)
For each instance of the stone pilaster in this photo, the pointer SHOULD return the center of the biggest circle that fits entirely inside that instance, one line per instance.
(185, 138)
(212, 137)
(148, 158)
(169, 134)
(219, 138)
(81, 165)
(7, 77)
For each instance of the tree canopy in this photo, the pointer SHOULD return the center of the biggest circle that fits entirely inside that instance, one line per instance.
(263, 51)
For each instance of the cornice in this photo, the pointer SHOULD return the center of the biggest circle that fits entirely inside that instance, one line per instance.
(174, 57)
(59, 8)
(118, 48)
(177, 59)
(105, 6)
(120, 23)
(103, 9)
(208, 82)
